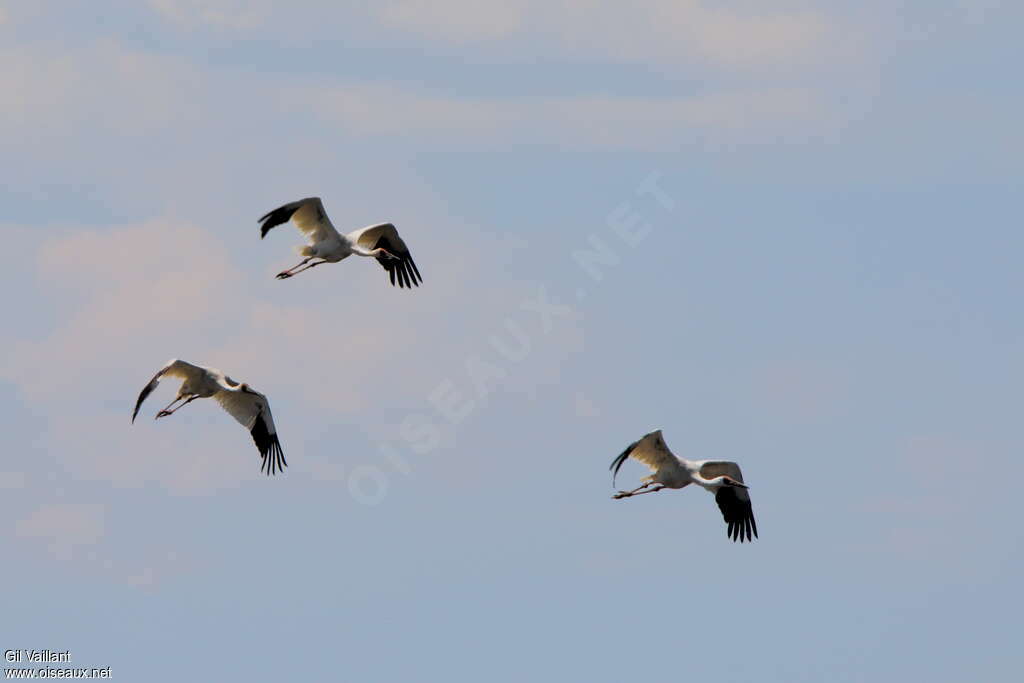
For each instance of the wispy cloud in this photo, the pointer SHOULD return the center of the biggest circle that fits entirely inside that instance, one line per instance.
(455, 20)
(659, 31)
(82, 537)
(237, 15)
(663, 32)
(130, 101)
(586, 121)
(102, 88)
(65, 528)
(197, 454)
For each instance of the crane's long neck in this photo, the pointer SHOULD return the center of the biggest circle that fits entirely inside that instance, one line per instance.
(361, 251)
(712, 484)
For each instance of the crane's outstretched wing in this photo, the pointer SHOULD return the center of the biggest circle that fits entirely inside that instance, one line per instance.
(384, 235)
(174, 368)
(308, 215)
(650, 450)
(252, 410)
(734, 502)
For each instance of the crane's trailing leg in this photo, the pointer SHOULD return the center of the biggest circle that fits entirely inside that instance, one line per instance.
(288, 273)
(284, 274)
(167, 411)
(638, 491)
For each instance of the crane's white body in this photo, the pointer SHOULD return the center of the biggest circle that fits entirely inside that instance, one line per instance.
(249, 407)
(380, 241)
(668, 471)
(330, 245)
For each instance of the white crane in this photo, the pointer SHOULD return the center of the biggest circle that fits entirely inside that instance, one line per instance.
(244, 404)
(721, 477)
(380, 241)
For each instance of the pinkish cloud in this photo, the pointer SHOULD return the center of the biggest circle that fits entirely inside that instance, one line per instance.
(119, 296)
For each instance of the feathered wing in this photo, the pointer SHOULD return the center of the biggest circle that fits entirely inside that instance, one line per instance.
(308, 215)
(252, 410)
(651, 450)
(734, 502)
(174, 368)
(385, 235)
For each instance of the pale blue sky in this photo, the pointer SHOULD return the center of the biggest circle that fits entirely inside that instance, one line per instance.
(831, 297)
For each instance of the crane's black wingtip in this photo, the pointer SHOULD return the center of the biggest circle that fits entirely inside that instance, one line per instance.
(269, 447)
(278, 216)
(402, 270)
(146, 391)
(273, 458)
(738, 514)
(619, 459)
